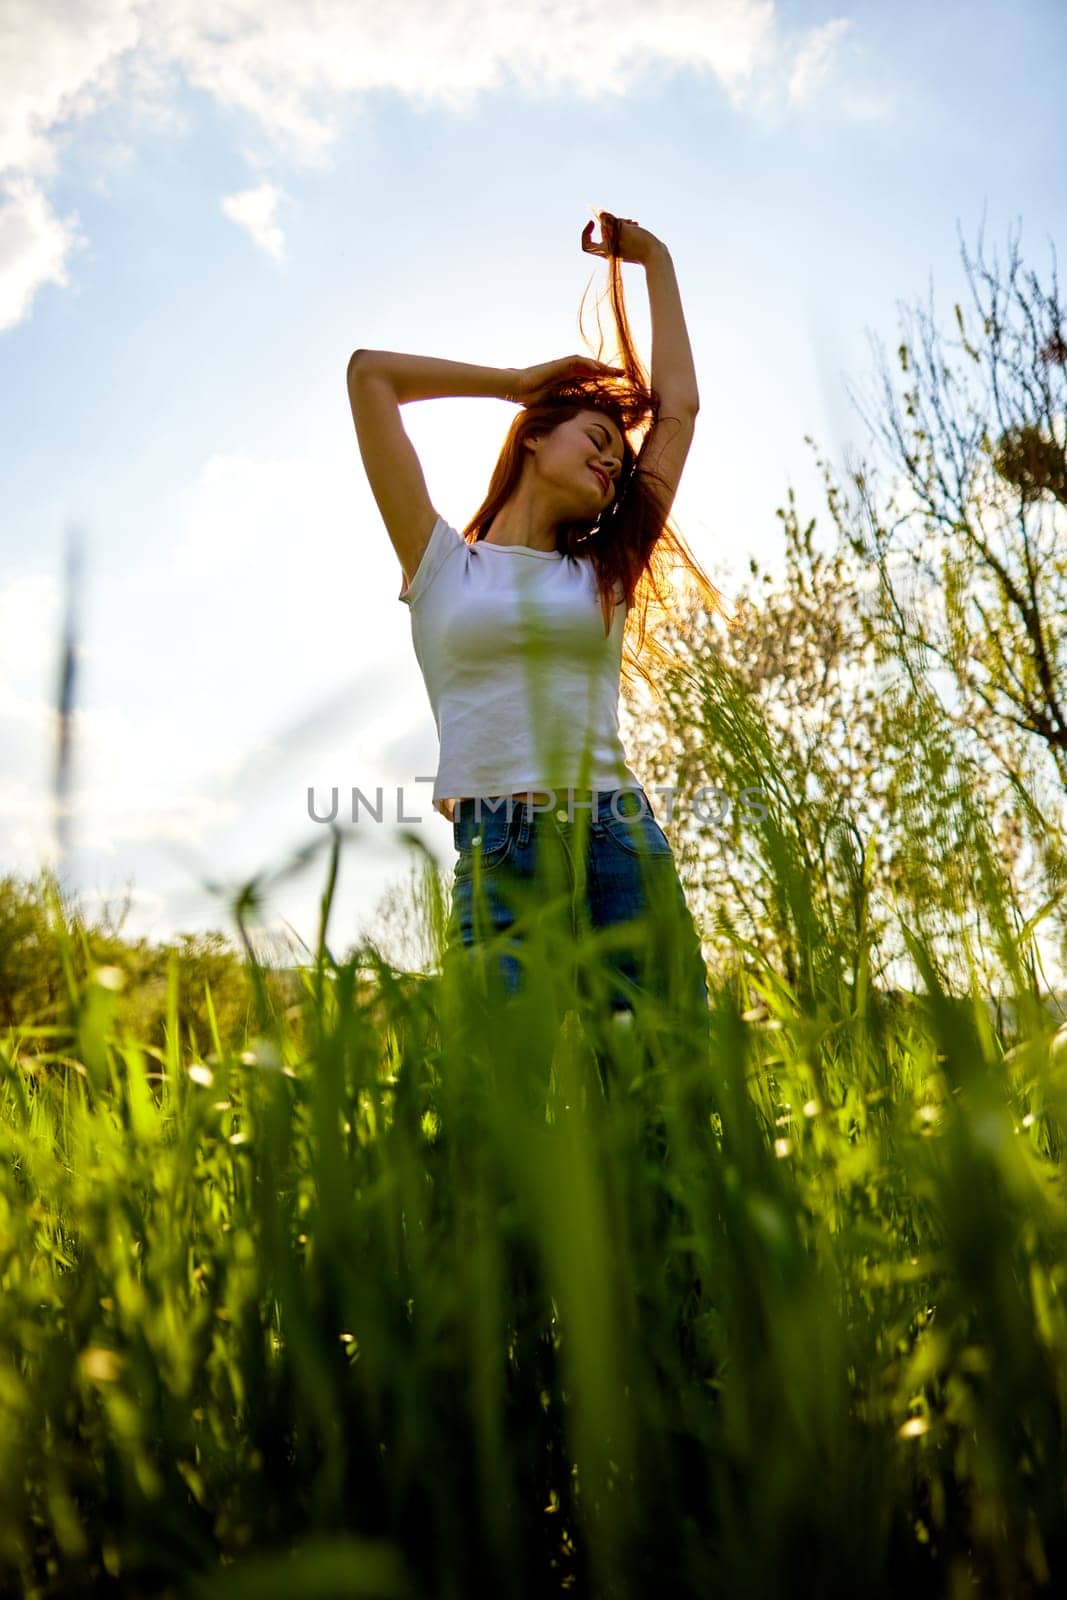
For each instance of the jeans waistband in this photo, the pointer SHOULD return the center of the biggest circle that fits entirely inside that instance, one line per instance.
(571, 802)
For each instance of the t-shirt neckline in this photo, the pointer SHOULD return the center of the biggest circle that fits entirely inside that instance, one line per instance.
(518, 550)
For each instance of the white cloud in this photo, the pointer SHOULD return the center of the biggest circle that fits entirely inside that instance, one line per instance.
(814, 61)
(254, 210)
(144, 905)
(291, 71)
(245, 515)
(35, 247)
(128, 785)
(29, 619)
(246, 520)
(192, 759)
(59, 63)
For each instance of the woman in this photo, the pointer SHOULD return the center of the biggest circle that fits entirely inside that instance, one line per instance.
(518, 624)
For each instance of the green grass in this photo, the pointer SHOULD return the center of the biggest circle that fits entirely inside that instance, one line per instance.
(380, 1293)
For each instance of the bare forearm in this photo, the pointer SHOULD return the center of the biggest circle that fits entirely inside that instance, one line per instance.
(413, 377)
(673, 374)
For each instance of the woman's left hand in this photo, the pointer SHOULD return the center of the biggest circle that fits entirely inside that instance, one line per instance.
(529, 384)
(623, 237)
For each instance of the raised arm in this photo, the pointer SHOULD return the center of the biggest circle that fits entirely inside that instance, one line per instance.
(379, 383)
(673, 373)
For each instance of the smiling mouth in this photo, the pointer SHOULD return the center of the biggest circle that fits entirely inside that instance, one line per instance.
(598, 474)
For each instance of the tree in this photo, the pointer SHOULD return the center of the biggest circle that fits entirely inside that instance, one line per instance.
(850, 687)
(970, 549)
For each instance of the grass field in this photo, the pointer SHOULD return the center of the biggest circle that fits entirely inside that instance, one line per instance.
(383, 1290)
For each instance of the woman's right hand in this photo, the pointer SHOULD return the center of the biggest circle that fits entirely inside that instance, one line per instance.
(529, 383)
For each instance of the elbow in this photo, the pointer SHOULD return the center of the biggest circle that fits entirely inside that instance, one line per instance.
(356, 360)
(681, 406)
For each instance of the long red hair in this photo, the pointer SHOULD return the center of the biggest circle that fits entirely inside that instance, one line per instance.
(631, 542)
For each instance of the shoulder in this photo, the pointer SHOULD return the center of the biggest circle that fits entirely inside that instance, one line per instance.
(444, 543)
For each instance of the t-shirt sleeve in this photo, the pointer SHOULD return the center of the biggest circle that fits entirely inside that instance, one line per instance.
(443, 542)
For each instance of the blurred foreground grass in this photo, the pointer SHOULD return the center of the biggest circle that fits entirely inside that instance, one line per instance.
(346, 1282)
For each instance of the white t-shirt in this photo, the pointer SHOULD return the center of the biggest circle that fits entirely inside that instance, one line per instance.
(522, 679)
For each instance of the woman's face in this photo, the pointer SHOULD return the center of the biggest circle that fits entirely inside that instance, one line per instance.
(583, 456)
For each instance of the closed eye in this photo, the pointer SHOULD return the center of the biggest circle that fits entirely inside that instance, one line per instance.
(600, 442)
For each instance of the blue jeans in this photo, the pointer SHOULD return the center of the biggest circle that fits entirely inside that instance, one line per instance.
(602, 867)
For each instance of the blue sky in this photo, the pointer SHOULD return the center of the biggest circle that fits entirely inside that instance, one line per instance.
(202, 214)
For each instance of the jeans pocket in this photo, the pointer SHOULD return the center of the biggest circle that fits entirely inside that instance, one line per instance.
(489, 838)
(629, 823)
